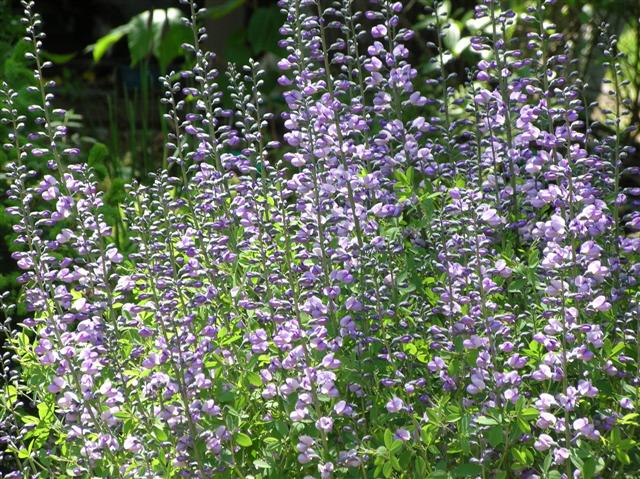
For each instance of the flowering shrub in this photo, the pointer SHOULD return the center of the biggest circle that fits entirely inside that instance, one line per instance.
(410, 286)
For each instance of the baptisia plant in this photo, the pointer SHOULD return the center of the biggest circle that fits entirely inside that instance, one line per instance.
(418, 279)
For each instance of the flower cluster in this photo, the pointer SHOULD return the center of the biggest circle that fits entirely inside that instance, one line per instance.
(416, 281)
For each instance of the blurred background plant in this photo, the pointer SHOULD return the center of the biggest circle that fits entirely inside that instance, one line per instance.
(109, 53)
(12, 70)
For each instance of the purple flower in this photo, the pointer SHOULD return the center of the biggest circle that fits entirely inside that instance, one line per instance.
(584, 428)
(258, 340)
(132, 444)
(326, 470)
(626, 403)
(560, 455)
(57, 385)
(402, 434)
(543, 442)
(585, 388)
(600, 304)
(305, 449)
(379, 31)
(324, 424)
(491, 217)
(395, 405)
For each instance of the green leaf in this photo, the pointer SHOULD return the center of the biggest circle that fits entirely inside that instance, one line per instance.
(243, 440)
(105, 43)
(523, 456)
(421, 466)
(622, 456)
(589, 468)
(254, 379)
(59, 58)
(16, 72)
(467, 470)
(453, 417)
(23, 453)
(237, 49)
(159, 433)
(388, 438)
(261, 464)
(170, 46)
(98, 153)
(529, 413)
(477, 24)
(141, 38)
(629, 419)
(618, 348)
(451, 35)
(486, 421)
(523, 425)
(262, 32)
(219, 11)
(30, 420)
(97, 156)
(12, 394)
(463, 44)
(396, 446)
(576, 459)
(43, 410)
(387, 469)
(282, 428)
(547, 463)
(533, 257)
(147, 30)
(495, 436)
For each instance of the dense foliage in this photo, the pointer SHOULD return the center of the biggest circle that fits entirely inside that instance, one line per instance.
(386, 294)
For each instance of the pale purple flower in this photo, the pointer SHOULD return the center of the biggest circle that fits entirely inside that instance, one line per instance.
(324, 424)
(402, 434)
(395, 405)
(379, 31)
(560, 455)
(132, 444)
(626, 403)
(543, 442)
(57, 385)
(600, 303)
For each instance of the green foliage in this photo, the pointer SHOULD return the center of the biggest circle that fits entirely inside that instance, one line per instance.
(158, 33)
(219, 11)
(262, 32)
